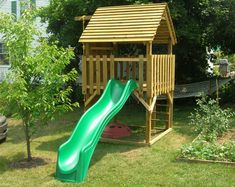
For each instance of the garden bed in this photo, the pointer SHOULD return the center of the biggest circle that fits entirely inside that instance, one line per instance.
(205, 161)
(222, 151)
(216, 140)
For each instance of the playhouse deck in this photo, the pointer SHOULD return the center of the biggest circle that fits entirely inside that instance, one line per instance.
(155, 77)
(146, 25)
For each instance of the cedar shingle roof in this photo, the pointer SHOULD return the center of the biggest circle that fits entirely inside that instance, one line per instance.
(130, 23)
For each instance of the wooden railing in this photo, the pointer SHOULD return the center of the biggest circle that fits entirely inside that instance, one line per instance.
(155, 75)
(162, 74)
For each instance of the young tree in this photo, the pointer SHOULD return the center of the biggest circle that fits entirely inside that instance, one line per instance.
(36, 86)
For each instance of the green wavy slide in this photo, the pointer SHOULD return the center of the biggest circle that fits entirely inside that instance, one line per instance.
(75, 154)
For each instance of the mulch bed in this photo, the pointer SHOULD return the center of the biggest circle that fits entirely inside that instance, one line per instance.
(25, 164)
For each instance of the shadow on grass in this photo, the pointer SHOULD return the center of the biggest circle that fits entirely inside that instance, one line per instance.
(52, 145)
(101, 149)
(5, 163)
(60, 125)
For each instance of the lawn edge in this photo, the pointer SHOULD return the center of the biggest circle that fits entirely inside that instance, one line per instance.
(205, 161)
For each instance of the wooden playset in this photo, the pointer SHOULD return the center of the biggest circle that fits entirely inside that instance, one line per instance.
(148, 25)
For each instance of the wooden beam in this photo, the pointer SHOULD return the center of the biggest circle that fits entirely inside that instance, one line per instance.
(84, 75)
(81, 18)
(153, 103)
(158, 137)
(148, 124)
(141, 100)
(149, 70)
(169, 27)
(118, 141)
(170, 110)
(169, 47)
(170, 97)
(98, 73)
(90, 98)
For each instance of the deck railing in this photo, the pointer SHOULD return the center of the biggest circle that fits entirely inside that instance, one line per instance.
(155, 75)
(162, 76)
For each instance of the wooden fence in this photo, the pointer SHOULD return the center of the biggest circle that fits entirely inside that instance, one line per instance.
(155, 75)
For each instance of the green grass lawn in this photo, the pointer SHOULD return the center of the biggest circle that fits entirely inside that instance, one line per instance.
(112, 165)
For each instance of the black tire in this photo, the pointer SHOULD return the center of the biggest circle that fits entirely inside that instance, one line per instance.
(3, 140)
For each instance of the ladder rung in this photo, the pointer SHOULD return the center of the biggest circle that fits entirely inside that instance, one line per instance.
(157, 112)
(159, 120)
(161, 105)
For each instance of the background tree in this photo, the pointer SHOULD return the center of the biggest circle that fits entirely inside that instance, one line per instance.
(198, 23)
(36, 85)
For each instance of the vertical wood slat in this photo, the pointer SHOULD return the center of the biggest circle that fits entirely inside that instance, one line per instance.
(134, 70)
(164, 71)
(91, 73)
(164, 74)
(152, 77)
(98, 74)
(173, 74)
(160, 62)
(116, 70)
(121, 70)
(105, 71)
(170, 77)
(158, 74)
(154, 74)
(149, 78)
(112, 67)
(127, 70)
(84, 75)
(141, 73)
(170, 71)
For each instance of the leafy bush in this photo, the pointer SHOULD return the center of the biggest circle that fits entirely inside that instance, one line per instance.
(209, 119)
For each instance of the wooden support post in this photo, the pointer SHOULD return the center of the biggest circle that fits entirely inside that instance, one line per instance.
(105, 70)
(154, 116)
(89, 99)
(98, 74)
(142, 101)
(84, 74)
(148, 124)
(169, 110)
(141, 74)
(149, 70)
(169, 49)
(112, 67)
(91, 74)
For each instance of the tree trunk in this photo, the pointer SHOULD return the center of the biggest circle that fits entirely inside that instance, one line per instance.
(27, 138)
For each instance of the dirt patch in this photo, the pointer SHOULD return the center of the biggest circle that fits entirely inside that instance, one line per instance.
(132, 154)
(25, 164)
(227, 136)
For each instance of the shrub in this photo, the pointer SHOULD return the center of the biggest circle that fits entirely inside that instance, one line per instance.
(209, 119)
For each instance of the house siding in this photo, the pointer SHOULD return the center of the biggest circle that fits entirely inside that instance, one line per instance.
(6, 7)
